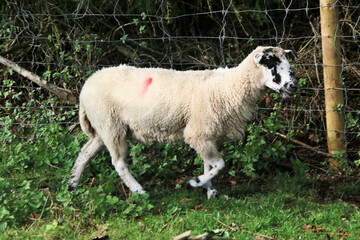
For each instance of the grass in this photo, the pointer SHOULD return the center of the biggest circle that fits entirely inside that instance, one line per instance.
(35, 203)
(282, 208)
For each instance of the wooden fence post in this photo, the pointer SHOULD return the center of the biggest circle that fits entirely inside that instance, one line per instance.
(334, 97)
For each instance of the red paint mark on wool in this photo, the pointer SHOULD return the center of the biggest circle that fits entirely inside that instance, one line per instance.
(147, 84)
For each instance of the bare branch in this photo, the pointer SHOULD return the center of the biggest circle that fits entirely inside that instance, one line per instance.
(304, 145)
(60, 92)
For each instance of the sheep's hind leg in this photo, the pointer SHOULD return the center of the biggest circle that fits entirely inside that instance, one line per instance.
(118, 158)
(210, 191)
(86, 153)
(213, 163)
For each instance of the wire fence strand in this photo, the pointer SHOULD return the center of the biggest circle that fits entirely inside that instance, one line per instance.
(154, 28)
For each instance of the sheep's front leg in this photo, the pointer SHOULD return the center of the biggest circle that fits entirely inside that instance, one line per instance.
(213, 163)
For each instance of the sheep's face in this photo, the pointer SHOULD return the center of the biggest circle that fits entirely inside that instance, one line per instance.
(278, 74)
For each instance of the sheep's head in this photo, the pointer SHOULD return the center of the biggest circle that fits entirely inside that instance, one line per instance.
(277, 71)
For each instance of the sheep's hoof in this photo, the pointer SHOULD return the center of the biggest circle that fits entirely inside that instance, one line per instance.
(194, 182)
(188, 186)
(212, 193)
(72, 188)
(141, 191)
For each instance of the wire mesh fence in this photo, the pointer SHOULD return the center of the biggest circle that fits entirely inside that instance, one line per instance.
(65, 43)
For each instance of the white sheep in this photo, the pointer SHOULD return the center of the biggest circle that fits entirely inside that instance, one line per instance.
(202, 108)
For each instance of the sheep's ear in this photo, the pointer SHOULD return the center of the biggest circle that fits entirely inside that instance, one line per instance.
(257, 58)
(290, 55)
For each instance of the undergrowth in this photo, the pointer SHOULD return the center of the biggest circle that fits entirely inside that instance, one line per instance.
(40, 138)
(34, 201)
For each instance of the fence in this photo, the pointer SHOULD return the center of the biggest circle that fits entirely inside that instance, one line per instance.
(65, 43)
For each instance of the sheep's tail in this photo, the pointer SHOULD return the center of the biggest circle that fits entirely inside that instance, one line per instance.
(85, 123)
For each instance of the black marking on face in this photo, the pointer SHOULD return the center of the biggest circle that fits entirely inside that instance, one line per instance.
(277, 78)
(269, 59)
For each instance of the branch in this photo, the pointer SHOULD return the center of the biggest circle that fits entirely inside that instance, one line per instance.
(60, 92)
(304, 145)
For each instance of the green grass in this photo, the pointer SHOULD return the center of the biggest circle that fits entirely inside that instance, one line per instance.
(282, 208)
(35, 203)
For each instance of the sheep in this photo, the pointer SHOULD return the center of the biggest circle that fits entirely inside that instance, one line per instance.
(201, 108)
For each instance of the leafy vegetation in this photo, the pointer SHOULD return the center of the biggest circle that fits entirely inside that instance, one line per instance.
(65, 42)
(271, 187)
(34, 201)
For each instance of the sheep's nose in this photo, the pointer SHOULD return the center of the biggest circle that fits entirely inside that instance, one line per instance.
(292, 87)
